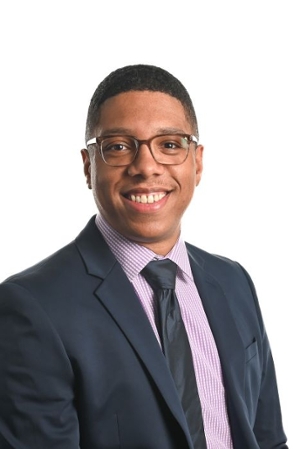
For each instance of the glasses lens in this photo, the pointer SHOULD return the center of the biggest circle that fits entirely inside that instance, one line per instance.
(170, 149)
(118, 150)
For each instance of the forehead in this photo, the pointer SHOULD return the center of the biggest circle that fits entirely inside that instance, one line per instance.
(137, 109)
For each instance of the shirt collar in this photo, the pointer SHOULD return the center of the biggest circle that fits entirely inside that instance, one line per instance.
(133, 257)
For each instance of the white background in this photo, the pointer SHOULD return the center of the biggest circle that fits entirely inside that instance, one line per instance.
(240, 62)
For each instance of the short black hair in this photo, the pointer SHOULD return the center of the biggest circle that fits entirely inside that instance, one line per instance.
(139, 77)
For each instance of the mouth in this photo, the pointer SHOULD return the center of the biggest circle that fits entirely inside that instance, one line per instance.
(148, 198)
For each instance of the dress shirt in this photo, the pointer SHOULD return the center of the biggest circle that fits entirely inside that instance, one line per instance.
(133, 258)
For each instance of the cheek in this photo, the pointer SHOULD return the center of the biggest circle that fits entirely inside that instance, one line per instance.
(101, 187)
(99, 176)
(98, 183)
(190, 184)
(188, 179)
(105, 184)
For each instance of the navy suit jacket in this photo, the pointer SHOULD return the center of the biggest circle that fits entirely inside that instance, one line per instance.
(80, 366)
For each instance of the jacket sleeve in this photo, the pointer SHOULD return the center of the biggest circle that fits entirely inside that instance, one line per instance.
(36, 389)
(268, 426)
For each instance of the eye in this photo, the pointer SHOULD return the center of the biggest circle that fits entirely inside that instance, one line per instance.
(116, 144)
(115, 147)
(168, 143)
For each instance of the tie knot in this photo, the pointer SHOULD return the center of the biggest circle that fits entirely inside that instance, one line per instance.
(160, 274)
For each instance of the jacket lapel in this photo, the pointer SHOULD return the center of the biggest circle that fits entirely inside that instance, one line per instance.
(124, 306)
(229, 344)
(117, 295)
(221, 321)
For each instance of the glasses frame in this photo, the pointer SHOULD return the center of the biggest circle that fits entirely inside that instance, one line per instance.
(98, 141)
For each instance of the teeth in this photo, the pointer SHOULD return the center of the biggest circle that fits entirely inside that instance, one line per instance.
(147, 199)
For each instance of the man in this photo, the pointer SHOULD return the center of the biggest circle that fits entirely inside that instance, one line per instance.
(83, 362)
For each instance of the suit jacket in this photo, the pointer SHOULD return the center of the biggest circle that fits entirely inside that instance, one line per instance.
(80, 366)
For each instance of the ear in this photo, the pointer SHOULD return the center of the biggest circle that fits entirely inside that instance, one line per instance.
(199, 163)
(86, 166)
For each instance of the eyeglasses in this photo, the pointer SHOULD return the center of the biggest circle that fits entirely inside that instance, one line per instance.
(166, 149)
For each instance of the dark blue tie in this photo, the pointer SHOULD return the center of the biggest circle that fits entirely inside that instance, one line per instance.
(161, 275)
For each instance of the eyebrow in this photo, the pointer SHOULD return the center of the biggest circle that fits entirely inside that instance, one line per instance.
(127, 131)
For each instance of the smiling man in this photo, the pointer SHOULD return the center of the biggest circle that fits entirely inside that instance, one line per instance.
(129, 337)
(144, 200)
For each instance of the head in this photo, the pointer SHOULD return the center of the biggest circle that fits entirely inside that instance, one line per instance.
(145, 199)
(138, 78)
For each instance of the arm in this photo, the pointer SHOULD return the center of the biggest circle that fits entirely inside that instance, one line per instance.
(36, 389)
(268, 426)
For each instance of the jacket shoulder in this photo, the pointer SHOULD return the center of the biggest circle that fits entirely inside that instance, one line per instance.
(210, 260)
(65, 260)
(56, 261)
(227, 272)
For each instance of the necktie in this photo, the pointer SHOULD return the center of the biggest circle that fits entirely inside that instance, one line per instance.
(161, 275)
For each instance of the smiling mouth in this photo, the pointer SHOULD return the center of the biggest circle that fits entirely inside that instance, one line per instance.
(147, 199)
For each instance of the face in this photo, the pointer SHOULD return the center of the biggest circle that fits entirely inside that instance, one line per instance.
(164, 191)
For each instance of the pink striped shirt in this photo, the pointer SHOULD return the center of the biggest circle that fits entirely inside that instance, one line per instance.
(133, 258)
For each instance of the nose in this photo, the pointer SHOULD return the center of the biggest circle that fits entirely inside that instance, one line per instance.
(144, 163)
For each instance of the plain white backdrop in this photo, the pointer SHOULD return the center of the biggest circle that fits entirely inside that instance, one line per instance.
(240, 62)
